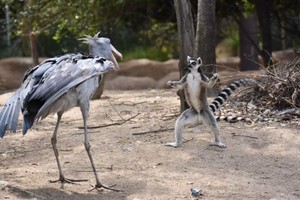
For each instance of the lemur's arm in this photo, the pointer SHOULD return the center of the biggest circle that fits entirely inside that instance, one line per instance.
(178, 84)
(213, 80)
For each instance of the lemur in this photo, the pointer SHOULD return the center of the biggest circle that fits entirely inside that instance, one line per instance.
(195, 85)
(215, 105)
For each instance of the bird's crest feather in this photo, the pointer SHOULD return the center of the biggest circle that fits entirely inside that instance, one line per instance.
(89, 38)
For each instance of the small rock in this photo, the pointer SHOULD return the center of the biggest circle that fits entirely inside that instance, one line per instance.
(127, 149)
(196, 192)
(3, 184)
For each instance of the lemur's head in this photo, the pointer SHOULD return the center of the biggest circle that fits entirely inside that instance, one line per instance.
(194, 64)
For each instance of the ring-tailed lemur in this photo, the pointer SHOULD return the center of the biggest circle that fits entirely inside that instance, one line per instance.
(195, 92)
(195, 85)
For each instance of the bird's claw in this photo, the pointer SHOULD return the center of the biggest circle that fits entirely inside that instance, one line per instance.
(172, 144)
(67, 180)
(99, 186)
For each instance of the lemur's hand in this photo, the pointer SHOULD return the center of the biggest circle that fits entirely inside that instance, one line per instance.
(215, 76)
(170, 84)
(213, 80)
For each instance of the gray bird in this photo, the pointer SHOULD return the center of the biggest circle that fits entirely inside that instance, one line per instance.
(99, 46)
(55, 86)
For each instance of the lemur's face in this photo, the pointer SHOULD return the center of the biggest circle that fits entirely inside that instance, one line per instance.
(194, 64)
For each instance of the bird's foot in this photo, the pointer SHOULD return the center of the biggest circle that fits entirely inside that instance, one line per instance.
(172, 144)
(62, 179)
(100, 185)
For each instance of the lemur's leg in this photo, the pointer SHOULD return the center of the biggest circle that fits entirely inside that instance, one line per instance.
(213, 80)
(187, 118)
(210, 120)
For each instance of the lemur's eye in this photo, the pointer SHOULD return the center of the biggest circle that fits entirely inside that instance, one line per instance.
(193, 63)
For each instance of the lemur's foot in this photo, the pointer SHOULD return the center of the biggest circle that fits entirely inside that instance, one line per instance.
(218, 144)
(172, 144)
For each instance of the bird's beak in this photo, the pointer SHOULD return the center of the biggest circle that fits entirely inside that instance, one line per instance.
(117, 54)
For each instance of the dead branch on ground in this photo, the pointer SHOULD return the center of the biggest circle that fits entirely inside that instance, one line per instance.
(278, 90)
(153, 131)
(112, 124)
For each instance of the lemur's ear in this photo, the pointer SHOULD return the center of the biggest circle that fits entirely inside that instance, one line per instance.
(199, 61)
(188, 59)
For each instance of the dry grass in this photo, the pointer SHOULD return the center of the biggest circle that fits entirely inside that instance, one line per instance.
(276, 97)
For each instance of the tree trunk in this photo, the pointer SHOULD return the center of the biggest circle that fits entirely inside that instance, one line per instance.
(206, 39)
(34, 52)
(263, 11)
(248, 43)
(7, 18)
(186, 34)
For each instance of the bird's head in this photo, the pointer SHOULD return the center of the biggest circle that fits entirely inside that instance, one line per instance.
(101, 46)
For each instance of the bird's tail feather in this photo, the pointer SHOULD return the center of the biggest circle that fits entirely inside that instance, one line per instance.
(14, 117)
(9, 114)
(27, 122)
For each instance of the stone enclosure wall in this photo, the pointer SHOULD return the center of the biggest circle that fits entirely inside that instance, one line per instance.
(135, 74)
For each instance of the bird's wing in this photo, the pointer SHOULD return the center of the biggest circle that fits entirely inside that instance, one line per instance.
(47, 64)
(9, 113)
(44, 71)
(65, 77)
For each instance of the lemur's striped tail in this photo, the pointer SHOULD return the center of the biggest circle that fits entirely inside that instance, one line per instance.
(225, 93)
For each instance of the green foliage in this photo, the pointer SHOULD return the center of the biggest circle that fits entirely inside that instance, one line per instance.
(145, 52)
(284, 18)
(248, 7)
(162, 36)
(138, 28)
(58, 24)
(14, 49)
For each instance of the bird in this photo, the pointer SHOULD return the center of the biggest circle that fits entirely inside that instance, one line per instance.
(101, 46)
(57, 85)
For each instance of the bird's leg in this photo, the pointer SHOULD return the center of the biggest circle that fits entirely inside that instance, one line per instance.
(87, 146)
(53, 142)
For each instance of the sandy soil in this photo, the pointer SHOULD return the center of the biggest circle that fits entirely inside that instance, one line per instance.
(260, 162)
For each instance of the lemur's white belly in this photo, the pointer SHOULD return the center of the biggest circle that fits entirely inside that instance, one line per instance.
(193, 90)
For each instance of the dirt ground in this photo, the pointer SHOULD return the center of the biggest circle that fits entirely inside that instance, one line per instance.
(260, 162)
